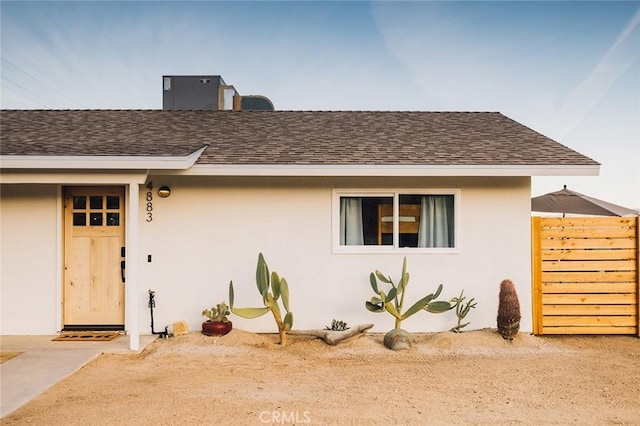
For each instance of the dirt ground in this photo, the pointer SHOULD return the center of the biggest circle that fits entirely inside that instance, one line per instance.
(248, 379)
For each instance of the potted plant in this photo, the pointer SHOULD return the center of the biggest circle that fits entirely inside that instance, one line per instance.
(218, 324)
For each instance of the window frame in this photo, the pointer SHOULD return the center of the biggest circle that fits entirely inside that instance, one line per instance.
(395, 195)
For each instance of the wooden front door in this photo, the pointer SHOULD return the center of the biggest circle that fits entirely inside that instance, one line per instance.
(94, 258)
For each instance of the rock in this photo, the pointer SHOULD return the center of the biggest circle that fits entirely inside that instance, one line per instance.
(180, 328)
(398, 339)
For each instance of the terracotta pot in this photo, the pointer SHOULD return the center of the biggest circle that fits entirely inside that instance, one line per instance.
(216, 328)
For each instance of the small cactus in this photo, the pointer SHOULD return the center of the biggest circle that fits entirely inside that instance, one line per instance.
(462, 310)
(272, 288)
(337, 326)
(217, 313)
(508, 311)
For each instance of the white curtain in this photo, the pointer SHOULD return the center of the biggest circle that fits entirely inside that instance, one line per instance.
(351, 233)
(436, 221)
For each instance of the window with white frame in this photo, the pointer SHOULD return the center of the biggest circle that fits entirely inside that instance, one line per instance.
(397, 219)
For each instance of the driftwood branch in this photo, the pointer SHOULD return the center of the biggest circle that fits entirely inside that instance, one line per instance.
(333, 337)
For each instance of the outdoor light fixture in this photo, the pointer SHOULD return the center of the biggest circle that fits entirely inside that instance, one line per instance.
(164, 191)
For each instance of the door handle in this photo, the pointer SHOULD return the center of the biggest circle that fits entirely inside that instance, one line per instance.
(122, 263)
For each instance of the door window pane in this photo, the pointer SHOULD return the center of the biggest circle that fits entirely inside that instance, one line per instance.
(95, 202)
(95, 219)
(80, 202)
(113, 202)
(113, 219)
(79, 219)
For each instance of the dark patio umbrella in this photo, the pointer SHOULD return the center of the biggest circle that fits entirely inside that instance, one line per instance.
(566, 201)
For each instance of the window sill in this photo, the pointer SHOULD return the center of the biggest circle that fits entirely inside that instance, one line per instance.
(394, 250)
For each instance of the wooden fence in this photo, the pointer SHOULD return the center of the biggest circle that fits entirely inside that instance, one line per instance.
(585, 275)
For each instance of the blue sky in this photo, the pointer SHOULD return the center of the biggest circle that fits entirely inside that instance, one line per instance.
(570, 70)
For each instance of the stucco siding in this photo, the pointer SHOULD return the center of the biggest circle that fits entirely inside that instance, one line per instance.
(28, 263)
(210, 231)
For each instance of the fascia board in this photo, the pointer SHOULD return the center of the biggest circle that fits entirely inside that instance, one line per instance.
(65, 178)
(387, 170)
(98, 162)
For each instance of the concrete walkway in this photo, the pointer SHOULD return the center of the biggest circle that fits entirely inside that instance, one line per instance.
(44, 363)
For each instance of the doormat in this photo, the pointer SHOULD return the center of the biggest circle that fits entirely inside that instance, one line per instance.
(86, 336)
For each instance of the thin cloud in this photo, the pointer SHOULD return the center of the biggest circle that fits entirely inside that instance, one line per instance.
(622, 54)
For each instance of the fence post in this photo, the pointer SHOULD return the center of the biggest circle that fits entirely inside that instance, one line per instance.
(638, 272)
(536, 276)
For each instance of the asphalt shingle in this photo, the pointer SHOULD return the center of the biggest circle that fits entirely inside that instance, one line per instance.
(285, 137)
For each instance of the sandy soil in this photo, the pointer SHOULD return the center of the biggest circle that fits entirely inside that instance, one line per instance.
(247, 379)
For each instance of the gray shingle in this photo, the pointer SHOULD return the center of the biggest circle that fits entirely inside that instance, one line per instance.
(285, 137)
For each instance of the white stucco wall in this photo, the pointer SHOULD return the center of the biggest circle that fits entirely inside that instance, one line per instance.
(29, 269)
(210, 231)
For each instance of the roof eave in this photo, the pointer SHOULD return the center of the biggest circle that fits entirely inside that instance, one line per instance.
(389, 170)
(99, 162)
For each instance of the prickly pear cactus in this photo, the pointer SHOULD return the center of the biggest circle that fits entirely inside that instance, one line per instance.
(272, 288)
(392, 301)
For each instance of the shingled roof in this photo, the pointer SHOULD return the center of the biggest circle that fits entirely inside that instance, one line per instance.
(339, 138)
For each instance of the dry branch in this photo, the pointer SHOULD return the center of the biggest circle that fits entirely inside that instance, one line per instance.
(333, 337)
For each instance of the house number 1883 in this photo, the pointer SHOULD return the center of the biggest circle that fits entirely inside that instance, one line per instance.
(150, 202)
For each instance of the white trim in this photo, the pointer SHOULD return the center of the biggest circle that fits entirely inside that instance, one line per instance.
(71, 179)
(386, 170)
(93, 162)
(395, 193)
(59, 254)
(186, 165)
(132, 284)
